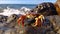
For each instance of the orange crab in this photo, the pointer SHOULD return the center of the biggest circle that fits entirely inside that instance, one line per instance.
(38, 19)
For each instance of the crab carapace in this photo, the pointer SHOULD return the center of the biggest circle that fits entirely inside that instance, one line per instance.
(27, 16)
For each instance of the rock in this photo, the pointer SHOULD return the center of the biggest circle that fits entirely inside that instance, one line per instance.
(3, 18)
(10, 31)
(48, 28)
(30, 30)
(9, 26)
(54, 18)
(11, 18)
(51, 32)
(58, 31)
(12, 21)
(56, 22)
(58, 3)
(1, 31)
(43, 8)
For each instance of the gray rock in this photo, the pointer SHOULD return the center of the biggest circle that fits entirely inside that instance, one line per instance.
(10, 31)
(1, 31)
(55, 20)
(12, 21)
(3, 18)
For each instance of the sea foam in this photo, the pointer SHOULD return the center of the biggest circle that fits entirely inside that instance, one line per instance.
(9, 11)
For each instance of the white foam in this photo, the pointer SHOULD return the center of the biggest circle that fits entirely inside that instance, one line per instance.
(10, 11)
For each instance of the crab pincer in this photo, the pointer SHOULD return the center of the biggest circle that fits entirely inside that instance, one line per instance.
(39, 20)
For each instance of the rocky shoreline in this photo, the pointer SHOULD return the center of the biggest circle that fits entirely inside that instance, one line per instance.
(10, 25)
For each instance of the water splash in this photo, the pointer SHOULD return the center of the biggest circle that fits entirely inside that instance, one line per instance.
(9, 11)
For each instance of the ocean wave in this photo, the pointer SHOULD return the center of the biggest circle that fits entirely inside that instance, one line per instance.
(9, 11)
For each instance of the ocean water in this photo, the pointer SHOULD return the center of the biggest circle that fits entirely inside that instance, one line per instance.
(9, 9)
(18, 6)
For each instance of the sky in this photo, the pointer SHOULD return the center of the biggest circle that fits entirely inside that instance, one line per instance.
(25, 1)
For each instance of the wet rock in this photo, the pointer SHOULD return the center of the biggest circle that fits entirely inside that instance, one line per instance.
(8, 26)
(3, 18)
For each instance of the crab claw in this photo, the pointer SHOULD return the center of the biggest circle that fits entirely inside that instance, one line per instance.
(39, 20)
(41, 17)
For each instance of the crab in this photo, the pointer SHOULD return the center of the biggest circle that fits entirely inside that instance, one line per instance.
(38, 19)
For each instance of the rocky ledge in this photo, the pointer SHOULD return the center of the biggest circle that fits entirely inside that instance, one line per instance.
(9, 26)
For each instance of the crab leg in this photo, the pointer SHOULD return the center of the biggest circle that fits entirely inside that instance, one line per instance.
(39, 20)
(21, 20)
